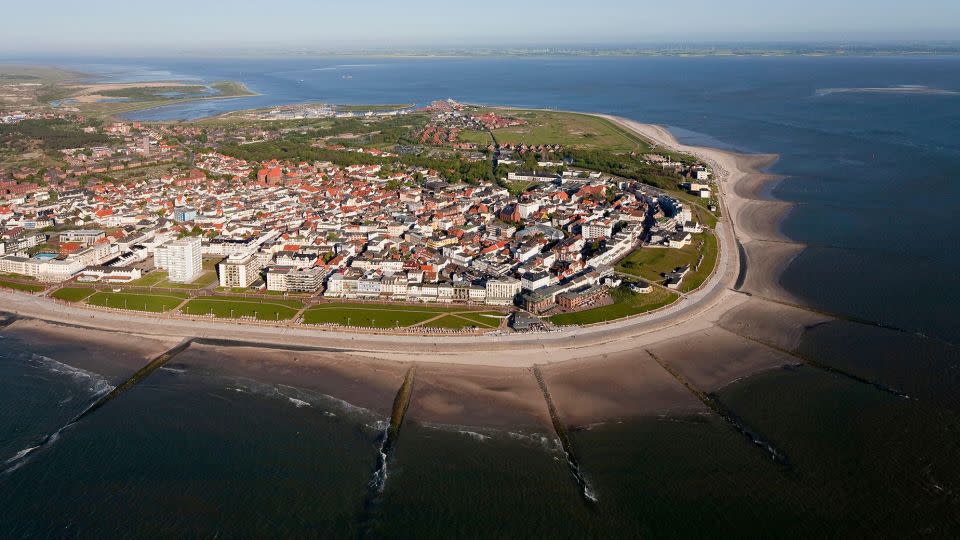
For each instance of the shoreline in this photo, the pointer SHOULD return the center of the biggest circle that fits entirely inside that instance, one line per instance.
(694, 311)
(627, 369)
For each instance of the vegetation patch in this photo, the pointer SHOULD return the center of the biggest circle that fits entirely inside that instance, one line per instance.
(25, 287)
(156, 303)
(72, 294)
(232, 307)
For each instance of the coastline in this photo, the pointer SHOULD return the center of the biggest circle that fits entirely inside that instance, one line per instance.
(630, 368)
(694, 311)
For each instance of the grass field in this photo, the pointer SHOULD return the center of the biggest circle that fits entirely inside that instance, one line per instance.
(207, 278)
(225, 307)
(388, 316)
(150, 280)
(569, 129)
(481, 138)
(25, 287)
(156, 303)
(696, 277)
(73, 294)
(626, 303)
(158, 278)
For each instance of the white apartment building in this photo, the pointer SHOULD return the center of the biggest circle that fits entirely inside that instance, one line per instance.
(239, 270)
(502, 292)
(292, 279)
(182, 259)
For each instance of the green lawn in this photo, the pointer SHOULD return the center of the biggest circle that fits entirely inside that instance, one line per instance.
(234, 307)
(696, 277)
(626, 303)
(207, 278)
(651, 262)
(25, 287)
(374, 316)
(150, 280)
(459, 321)
(392, 316)
(481, 138)
(488, 319)
(73, 294)
(569, 129)
(156, 303)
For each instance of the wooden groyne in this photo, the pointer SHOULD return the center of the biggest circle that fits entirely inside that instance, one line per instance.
(132, 381)
(714, 404)
(565, 442)
(141, 374)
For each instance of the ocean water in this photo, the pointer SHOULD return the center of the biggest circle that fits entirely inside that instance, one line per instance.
(205, 451)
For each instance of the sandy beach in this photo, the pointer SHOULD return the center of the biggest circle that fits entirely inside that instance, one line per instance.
(713, 336)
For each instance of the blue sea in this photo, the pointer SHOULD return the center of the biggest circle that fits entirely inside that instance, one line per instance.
(875, 182)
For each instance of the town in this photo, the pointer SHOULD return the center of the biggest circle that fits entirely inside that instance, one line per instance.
(128, 213)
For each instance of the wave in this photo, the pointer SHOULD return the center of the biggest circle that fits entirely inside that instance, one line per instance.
(298, 397)
(20, 458)
(173, 370)
(95, 383)
(904, 89)
(298, 402)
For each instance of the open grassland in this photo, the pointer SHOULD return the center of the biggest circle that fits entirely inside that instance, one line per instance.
(157, 303)
(626, 303)
(25, 287)
(73, 294)
(226, 307)
(568, 129)
(481, 138)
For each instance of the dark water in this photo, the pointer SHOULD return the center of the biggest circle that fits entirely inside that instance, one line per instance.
(876, 185)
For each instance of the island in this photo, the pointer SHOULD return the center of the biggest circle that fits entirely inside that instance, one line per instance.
(381, 226)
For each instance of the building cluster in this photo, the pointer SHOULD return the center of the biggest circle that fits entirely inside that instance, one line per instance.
(344, 232)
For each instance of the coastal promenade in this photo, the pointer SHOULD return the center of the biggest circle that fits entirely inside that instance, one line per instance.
(694, 312)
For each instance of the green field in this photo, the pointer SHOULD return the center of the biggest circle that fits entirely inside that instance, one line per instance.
(459, 321)
(156, 303)
(570, 130)
(651, 263)
(696, 277)
(158, 278)
(481, 138)
(25, 287)
(150, 280)
(73, 294)
(207, 278)
(225, 307)
(626, 303)
(394, 316)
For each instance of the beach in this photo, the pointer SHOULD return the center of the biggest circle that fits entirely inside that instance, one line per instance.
(715, 335)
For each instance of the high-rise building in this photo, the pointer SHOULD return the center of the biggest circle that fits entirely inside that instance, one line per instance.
(182, 259)
(184, 213)
(239, 270)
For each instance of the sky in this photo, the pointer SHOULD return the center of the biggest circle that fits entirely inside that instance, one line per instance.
(137, 26)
